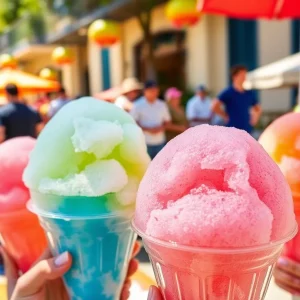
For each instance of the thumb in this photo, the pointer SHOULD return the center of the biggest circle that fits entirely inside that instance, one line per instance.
(155, 294)
(11, 271)
(34, 280)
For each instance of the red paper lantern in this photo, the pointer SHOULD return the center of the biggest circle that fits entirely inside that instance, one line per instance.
(48, 74)
(183, 13)
(8, 61)
(62, 56)
(105, 33)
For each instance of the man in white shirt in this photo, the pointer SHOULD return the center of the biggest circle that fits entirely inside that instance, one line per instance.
(152, 115)
(199, 108)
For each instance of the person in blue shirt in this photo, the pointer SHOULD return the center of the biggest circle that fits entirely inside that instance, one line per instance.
(17, 118)
(239, 108)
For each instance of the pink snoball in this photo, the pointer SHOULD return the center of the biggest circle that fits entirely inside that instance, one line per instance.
(214, 187)
(14, 157)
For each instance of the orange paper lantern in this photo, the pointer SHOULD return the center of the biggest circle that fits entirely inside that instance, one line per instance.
(48, 74)
(8, 61)
(105, 33)
(62, 56)
(282, 141)
(182, 13)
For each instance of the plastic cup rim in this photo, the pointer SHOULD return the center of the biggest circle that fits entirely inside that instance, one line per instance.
(177, 246)
(41, 213)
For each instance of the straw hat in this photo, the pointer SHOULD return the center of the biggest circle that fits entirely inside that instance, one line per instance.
(131, 84)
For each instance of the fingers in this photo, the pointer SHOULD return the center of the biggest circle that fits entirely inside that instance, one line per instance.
(288, 289)
(136, 249)
(155, 294)
(35, 279)
(133, 267)
(11, 271)
(126, 290)
(287, 275)
(289, 266)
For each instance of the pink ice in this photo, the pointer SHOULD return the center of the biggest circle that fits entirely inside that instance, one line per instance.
(214, 186)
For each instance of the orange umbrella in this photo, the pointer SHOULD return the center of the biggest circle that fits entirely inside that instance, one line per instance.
(27, 83)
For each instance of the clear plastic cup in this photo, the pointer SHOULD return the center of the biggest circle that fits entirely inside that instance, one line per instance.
(192, 273)
(23, 237)
(100, 243)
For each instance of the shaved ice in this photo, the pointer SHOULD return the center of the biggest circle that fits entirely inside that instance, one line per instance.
(214, 187)
(14, 156)
(90, 148)
(20, 231)
(83, 177)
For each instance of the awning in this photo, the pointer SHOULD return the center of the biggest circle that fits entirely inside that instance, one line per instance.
(280, 74)
(252, 9)
(26, 82)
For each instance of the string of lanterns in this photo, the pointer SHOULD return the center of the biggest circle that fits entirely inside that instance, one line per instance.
(8, 61)
(106, 33)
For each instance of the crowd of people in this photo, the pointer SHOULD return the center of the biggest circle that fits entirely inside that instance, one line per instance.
(162, 120)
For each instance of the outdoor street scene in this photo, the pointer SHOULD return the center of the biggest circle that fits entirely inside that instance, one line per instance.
(149, 150)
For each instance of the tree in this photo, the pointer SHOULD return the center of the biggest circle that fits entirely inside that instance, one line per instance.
(142, 10)
(143, 13)
(12, 10)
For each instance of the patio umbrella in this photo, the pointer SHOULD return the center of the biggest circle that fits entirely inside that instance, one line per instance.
(252, 9)
(27, 83)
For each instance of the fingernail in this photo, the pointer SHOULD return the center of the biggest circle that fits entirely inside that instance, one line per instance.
(282, 261)
(151, 293)
(61, 260)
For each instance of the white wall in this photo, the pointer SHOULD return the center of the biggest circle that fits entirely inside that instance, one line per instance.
(198, 54)
(218, 50)
(72, 74)
(116, 65)
(274, 43)
(95, 68)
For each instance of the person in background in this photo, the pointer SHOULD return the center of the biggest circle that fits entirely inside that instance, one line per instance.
(16, 118)
(239, 108)
(199, 108)
(46, 99)
(58, 103)
(130, 90)
(179, 122)
(152, 115)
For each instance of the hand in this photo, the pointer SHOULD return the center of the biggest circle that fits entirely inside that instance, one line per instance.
(155, 294)
(287, 275)
(156, 130)
(254, 119)
(44, 281)
(225, 118)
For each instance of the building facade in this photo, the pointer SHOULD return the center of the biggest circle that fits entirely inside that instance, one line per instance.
(186, 58)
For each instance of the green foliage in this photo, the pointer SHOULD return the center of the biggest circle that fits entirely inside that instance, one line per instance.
(12, 10)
